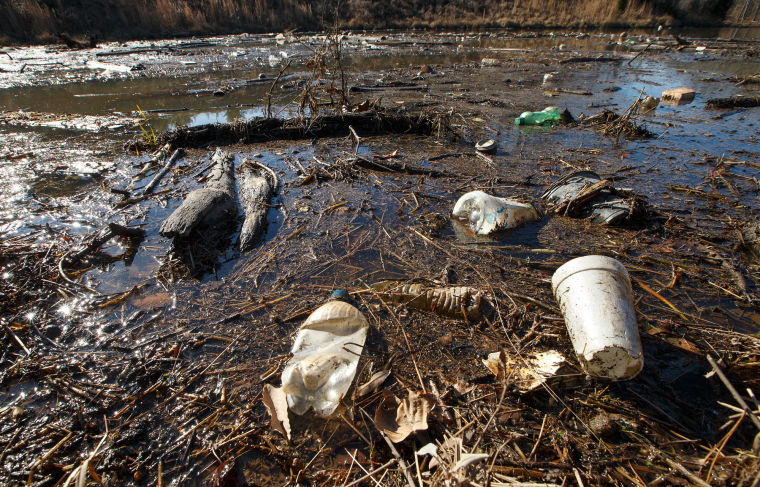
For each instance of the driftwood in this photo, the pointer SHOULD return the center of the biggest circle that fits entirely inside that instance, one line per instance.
(734, 102)
(213, 205)
(158, 155)
(258, 185)
(265, 129)
(160, 174)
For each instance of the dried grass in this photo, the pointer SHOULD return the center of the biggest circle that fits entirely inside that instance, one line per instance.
(35, 21)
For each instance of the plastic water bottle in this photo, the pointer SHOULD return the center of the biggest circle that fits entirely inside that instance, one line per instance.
(547, 115)
(455, 302)
(486, 214)
(326, 353)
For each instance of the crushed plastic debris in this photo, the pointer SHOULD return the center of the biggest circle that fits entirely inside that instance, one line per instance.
(455, 302)
(584, 194)
(485, 214)
(326, 353)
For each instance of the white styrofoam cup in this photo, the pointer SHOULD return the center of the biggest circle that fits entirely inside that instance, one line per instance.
(595, 296)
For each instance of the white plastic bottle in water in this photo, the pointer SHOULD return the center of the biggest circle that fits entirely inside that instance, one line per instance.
(326, 353)
(486, 214)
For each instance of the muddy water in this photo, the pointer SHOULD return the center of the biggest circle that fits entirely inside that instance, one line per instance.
(57, 177)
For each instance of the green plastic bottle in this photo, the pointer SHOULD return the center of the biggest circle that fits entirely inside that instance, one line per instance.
(546, 116)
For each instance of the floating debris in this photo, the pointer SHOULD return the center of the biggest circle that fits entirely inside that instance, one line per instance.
(678, 96)
(485, 214)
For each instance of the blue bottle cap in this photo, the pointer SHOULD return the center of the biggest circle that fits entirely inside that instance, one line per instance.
(340, 294)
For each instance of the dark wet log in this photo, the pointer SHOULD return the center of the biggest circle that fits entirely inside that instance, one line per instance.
(734, 102)
(257, 187)
(213, 205)
(265, 129)
(588, 59)
(103, 236)
(391, 165)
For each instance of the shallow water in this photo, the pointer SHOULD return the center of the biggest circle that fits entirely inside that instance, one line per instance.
(60, 184)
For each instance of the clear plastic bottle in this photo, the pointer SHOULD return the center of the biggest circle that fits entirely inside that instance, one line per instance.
(455, 302)
(486, 214)
(547, 115)
(326, 353)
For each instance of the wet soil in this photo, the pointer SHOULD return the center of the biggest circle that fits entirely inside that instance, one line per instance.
(165, 363)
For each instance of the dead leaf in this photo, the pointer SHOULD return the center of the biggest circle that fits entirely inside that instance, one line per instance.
(276, 402)
(446, 339)
(679, 342)
(428, 449)
(684, 344)
(372, 384)
(152, 301)
(496, 363)
(399, 419)
(527, 374)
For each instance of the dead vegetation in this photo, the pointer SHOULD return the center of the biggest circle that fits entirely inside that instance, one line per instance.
(615, 125)
(263, 129)
(146, 408)
(49, 20)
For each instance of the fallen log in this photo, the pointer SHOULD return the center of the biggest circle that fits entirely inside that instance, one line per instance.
(258, 185)
(734, 102)
(213, 205)
(265, 129)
